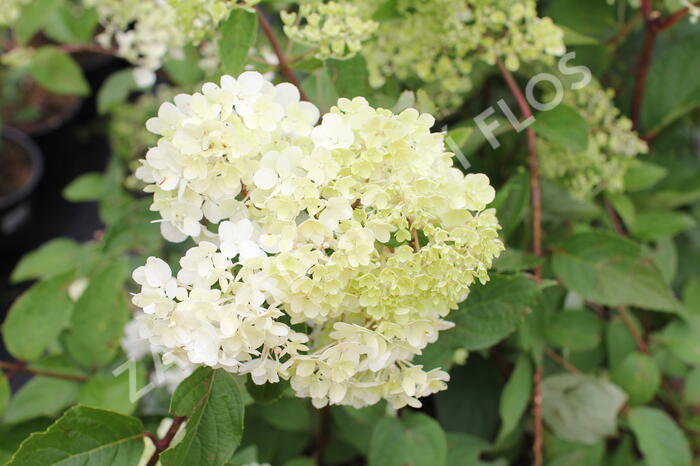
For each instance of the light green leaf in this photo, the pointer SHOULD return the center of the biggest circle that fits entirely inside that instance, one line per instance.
(610, 270)
(355, 425)
(660, 440)
(691, 391)
(643, 175)
(87, 187)
(578, 329)
(416, 439)
(115, 90)
(71, 24)
(288, 414)
(654, 224)
(185, 71)
(52, 258)
(581, 409)
(238, 34)
(99, 317)
(565, 126)
(516, 396)
(513, 260)
(34, 16)
(619, 341)
(58, 72)
(41, 396)
(639, 376)
(37, 318)
(107, 391)
(84, 436)
(212, 401)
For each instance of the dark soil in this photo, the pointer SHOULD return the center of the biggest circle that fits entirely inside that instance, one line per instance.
(15, 167)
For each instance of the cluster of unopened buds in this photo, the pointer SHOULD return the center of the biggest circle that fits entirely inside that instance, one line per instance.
(328, 254)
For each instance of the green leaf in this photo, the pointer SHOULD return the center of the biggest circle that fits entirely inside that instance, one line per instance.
(516, 396)
(115, 90)
(98, 318)
(491, 312)
(639, 376)
(107, 391)
(212, 401)
(513, 260)
(58, 72)
(580, 408)
(41, 396)
(87, 187)
(355, 425)
(37, 318)
(84, 436)
(416, 439)
(576, 330)
(12, 435)
(673, 86)
(654, 224)
(512, 203)
(561, 452)
(185, 71)
(619, 341)
(4, 392)
(643, 175)
(266, 393)
(596, 20)
(72, 25)
(610, 270)
(52, 258)
(466, 450)
(238, 34)
(350, 76)
(288, 414)
(660, 440)
(558, 205)
(34, 16)
(691, 391)
(565, 126)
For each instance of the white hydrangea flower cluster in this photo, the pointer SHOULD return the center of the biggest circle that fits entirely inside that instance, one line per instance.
(611, 146)
(335, 28)
(10, 11)
(440, 41)
(327, 254)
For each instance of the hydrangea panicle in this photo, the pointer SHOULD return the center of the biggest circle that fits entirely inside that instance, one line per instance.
(358, 227)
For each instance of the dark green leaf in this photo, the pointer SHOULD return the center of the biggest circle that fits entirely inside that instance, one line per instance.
(575, 329)
(655, 224)
(610, 270)
(71, 24)
(212, 401)
(415, 439)
(84, 436)
(516, 396)
(238, 34)
(350, 76)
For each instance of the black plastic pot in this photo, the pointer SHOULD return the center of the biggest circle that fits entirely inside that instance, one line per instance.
(15, 206)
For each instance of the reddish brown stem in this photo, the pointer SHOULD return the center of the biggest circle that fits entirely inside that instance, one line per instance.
(283, 62)
(163, 444)
(537, 414)
(322, 435)
(92, 48)
(22, 367)
(554, 356)
(615, 219)
(534, 165)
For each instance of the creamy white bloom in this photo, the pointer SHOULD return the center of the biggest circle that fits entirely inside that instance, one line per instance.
(359, 227)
